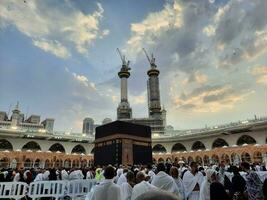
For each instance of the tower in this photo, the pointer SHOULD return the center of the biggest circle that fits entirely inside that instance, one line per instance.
(88, 126)
(154, 106)
(15, 118)
(124, 110)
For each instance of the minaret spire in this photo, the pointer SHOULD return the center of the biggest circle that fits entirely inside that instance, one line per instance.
(153, 88)
(124, 110)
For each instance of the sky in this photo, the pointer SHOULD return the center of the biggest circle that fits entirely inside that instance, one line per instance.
(58, 58)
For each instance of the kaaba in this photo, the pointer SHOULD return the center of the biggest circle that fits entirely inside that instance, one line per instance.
(124, 143)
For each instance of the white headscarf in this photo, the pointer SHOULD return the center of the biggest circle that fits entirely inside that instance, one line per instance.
(46, 175)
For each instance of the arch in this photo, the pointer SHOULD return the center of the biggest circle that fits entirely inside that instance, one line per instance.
(158, 148)
(58, 163)
(168, 160)
(47, 164)
(27, 163)
(5, 145)
(75, 163)
(13, 163)
(67, 163)
(160, 160)
(178, 147)
(199, 160)
(219, 142)
(245, 139)
(93, 151)
(190, 159)
(154, 161)
(245, 157)
(225, 158)
(257, 156)
(37, 163)
(34, 146)
(198, 146)
(4, 162)
(206, 160)
(84, 163)
(57, 147)
(215, 159)
(78, 149)
(235, 158)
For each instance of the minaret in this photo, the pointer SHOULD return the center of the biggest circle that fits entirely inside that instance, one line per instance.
(124, 110)
(15, 115)
(153, 92)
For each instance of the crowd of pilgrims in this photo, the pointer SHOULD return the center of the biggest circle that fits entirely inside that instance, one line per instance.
(161, 181)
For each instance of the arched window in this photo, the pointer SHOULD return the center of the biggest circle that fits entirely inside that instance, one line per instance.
(47, 163)
(225, 158)
(215, 159)
(246, 139)
(219, 142)
(34, 146)
(245, 157)
(84, 163)
(158, 148)
(4, 162)
(235, 158)
(58, 163)
(169, 160)
(27, 163)
(37, 163)
(75, 163)
(67, 163)
(78, 149)
(178, 147)
(206, 160)
(198, 146)
(5, 145)
(190, 159)
(160, 160)
(199, 160)
(57, 147)
(257, 156)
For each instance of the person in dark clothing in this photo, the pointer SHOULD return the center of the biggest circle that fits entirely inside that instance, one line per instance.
(238, 184)
(217, 192)
(53, 175)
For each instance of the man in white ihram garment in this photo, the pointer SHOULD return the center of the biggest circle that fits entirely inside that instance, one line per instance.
(106, 190)
(127, 187)
(122, 179)
(204, 193)
(174, 172)
(64, 175)
(42, 176)
(76, 175)
(164, 181)
(192, 181)
(142, 186)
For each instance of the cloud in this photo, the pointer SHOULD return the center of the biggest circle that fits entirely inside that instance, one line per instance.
(53, 47)
(153, 26)
(53, 25)
(210, 98)
(260, 72)
(209, 30)
(196, 77)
